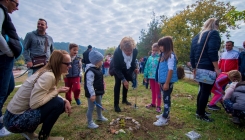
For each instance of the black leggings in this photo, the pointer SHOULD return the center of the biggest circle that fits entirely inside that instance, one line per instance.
(117, 87)
(202, 98)
(50, 112)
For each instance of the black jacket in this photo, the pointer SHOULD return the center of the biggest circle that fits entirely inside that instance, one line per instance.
(86, 57)
(210, 53)
(98, 82)
(119, 66)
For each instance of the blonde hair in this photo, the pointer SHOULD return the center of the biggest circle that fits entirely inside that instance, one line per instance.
(210, 24)
(54, 64)
(235, 74)
(127, 43)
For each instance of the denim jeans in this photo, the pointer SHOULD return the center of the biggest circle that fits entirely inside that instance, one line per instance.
(6, 80)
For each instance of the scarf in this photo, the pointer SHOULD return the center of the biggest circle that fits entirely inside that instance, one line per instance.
(127, 59)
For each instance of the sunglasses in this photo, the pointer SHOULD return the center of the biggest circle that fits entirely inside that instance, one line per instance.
(67, 64)
(16, 3)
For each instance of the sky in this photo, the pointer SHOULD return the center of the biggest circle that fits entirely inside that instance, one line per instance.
(101, 23)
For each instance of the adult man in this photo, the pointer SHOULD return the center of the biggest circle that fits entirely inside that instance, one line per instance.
(229, 59)
(38, 46)
(86, 54)
(241, 62)
(6, 55)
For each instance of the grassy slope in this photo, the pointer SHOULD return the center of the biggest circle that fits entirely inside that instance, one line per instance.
(182, 117)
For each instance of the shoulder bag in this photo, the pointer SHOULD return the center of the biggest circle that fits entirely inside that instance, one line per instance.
(203, 75)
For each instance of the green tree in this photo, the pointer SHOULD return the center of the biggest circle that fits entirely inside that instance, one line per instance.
(147, 38)
(110, 50)
(234, 16)
(184, 25)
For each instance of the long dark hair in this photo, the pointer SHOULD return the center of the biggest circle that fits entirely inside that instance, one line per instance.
(167, 43)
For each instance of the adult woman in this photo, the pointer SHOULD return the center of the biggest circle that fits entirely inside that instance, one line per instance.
(208, 61)
(123, 65)
(37, 100)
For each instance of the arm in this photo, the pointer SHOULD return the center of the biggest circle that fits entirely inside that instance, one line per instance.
(146, 68)
(43, 91)
(52, 46)
(117, 64)
(170, 72)
(27, 46)
(90, 82)
(3, 44)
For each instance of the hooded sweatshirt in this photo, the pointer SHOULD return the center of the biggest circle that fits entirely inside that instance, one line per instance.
(35, 46)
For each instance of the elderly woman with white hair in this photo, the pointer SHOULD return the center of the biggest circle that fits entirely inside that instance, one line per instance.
(122, 67)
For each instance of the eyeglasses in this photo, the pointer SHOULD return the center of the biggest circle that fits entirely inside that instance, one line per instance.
(16, 3)
(67, 64)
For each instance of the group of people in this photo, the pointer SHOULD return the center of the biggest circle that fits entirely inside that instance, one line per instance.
(229, 70)
(38, 101)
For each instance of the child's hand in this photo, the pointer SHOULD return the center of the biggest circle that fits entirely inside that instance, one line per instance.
(92, 98)
(165, 87)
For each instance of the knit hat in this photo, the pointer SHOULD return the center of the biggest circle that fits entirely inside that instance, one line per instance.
(95, 57)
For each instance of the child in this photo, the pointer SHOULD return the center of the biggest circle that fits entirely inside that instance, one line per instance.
(236, 104)
(150, 73)
(94, 87)
(72, 79)
(223, 79)
(106, 67)
(166, 75)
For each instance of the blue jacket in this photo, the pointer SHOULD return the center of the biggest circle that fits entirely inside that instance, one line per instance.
(210, 53)
(162, 71)
(241, 62)
(74, 71)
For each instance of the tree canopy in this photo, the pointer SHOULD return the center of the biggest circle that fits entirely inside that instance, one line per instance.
(184, 25)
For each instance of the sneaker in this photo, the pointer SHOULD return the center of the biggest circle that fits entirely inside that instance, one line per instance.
(55, 138)
(150, 105)
(4, 132)
(103, 119)
(161, 122)
(117, 108)
(126, 102)
(158, 117)
(206, 113)
(236, 120)
(78, 101)
(158, 109)
(30, 136)
(213, 107)
(92, 125)
(204, 118)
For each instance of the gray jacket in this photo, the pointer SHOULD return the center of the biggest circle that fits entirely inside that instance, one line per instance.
(238, 98)
(34, 46)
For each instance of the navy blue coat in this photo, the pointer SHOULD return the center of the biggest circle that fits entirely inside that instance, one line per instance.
(210, 53)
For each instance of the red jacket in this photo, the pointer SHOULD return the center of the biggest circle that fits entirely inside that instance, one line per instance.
(229, 61)
(106, 64)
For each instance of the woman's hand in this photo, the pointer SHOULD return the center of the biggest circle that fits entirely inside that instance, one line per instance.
(92, 98)
(136, 71)
(194, 73)
(67, 107)
(125, 83)
(165, 87)
(63, 89)
(145, 80)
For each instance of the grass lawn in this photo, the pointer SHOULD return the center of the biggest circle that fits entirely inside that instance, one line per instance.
(182, 117)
